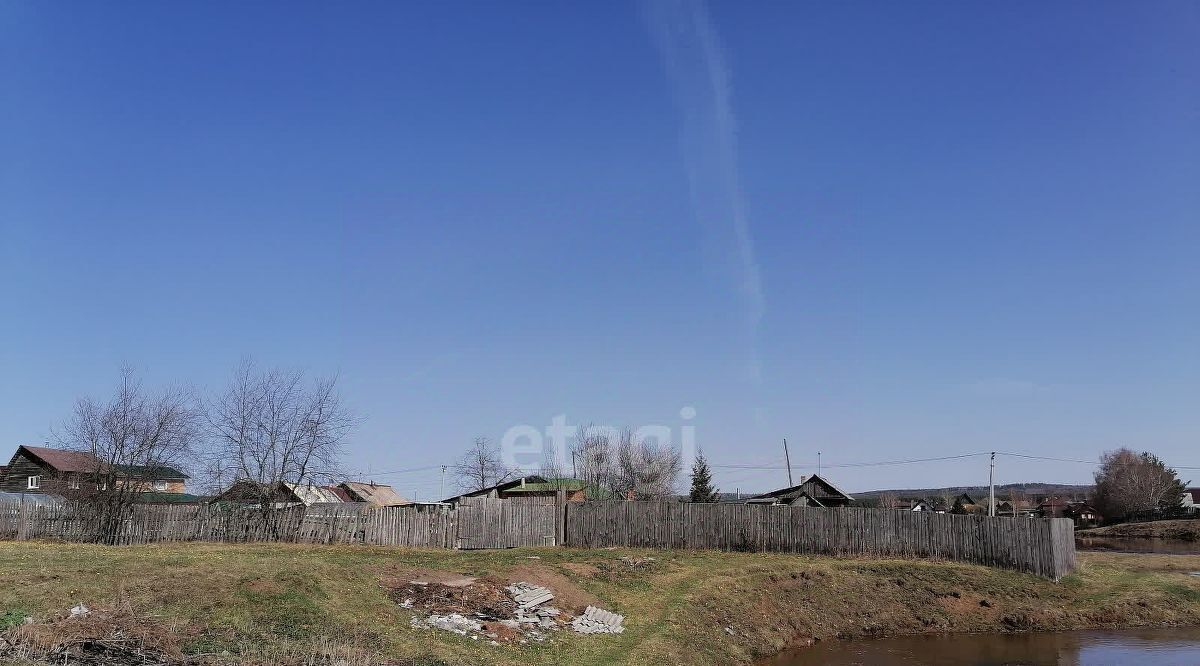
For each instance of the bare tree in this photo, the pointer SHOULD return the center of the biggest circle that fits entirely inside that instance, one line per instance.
(130, 438)
(646, 469)
(625, 464)
(481, 466)
(274, 426)
(593, 456)
(1018, 499)
(888, 500)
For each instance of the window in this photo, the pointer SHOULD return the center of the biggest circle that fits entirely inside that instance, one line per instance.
(35, 482)
(73, 482)
(160, 486)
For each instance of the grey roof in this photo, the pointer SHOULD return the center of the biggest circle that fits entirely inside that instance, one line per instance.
(30, 498)
(819, 479)
(379, 494)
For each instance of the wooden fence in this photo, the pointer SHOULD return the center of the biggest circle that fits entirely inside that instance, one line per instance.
(1042, 546)
(395, 526)
(1045, 547)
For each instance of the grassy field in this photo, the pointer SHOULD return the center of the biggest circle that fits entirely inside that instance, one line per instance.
(1187, 530)
(266, 603)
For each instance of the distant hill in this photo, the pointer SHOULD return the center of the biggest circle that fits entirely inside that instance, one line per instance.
(1033, 490)
(1002, 491)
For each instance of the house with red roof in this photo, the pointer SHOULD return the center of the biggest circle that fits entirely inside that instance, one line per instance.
(46, 471)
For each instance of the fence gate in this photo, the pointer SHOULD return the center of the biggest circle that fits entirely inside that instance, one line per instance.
(487, 522)
(479, 523)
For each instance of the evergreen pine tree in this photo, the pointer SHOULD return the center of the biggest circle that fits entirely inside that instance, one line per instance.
(702, 488)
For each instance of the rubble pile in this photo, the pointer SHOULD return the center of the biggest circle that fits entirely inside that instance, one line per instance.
(454, 622)
(598, 621)
(518, 612)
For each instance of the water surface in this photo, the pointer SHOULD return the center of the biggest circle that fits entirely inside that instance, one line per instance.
(1138, 545)
(1144, 647)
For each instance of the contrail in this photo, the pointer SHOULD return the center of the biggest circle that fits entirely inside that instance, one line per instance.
(695, 64)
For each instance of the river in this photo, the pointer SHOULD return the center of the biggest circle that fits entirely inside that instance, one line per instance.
(1138, 545)
(1144, 647)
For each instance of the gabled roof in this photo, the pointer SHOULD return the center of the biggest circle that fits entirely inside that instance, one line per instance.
(313, 494)
(833, 490)
(552, 484)
(503, 486)
(82, 462)
(63, 461)
(378, 494)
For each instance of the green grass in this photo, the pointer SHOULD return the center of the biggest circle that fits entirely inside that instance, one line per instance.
(241, 598)
(12, 617)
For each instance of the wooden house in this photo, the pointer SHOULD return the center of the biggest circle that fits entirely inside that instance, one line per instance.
(535, 485)
(280, 495)
(812, 491)
(375, 494)
(43, 470)
(1084, 514)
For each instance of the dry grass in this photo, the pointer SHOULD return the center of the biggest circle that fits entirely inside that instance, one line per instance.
(281, 604)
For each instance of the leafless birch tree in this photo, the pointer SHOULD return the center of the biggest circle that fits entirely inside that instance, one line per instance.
(131, 437)
(481, 466)
(277, 426)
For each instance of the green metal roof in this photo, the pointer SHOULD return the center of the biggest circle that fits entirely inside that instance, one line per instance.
(170, 498)
(552, 485)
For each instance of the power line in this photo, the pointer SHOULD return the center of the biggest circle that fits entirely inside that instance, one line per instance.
(1074, 460)
(877, 463)
(779, 467)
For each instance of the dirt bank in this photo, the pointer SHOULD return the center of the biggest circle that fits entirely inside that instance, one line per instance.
(265, 604)
(1185, 530)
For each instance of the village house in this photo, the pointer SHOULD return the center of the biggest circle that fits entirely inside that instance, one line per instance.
(926, 506)
(72, 474)
(535, 485)
(812, 491)
(1084, 514)
(1190, 500)
(375, 494)
(280, 495)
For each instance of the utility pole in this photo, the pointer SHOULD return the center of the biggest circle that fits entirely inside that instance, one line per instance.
(788, 460)
(992, 486)
(442, 490)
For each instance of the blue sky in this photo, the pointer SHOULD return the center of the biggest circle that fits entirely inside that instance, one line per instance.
(880, 230)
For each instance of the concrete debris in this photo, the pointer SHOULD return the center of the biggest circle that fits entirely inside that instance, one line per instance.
(453, 622)
(525, 615)
(598, 621)
(80, 610)
(529, 596)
